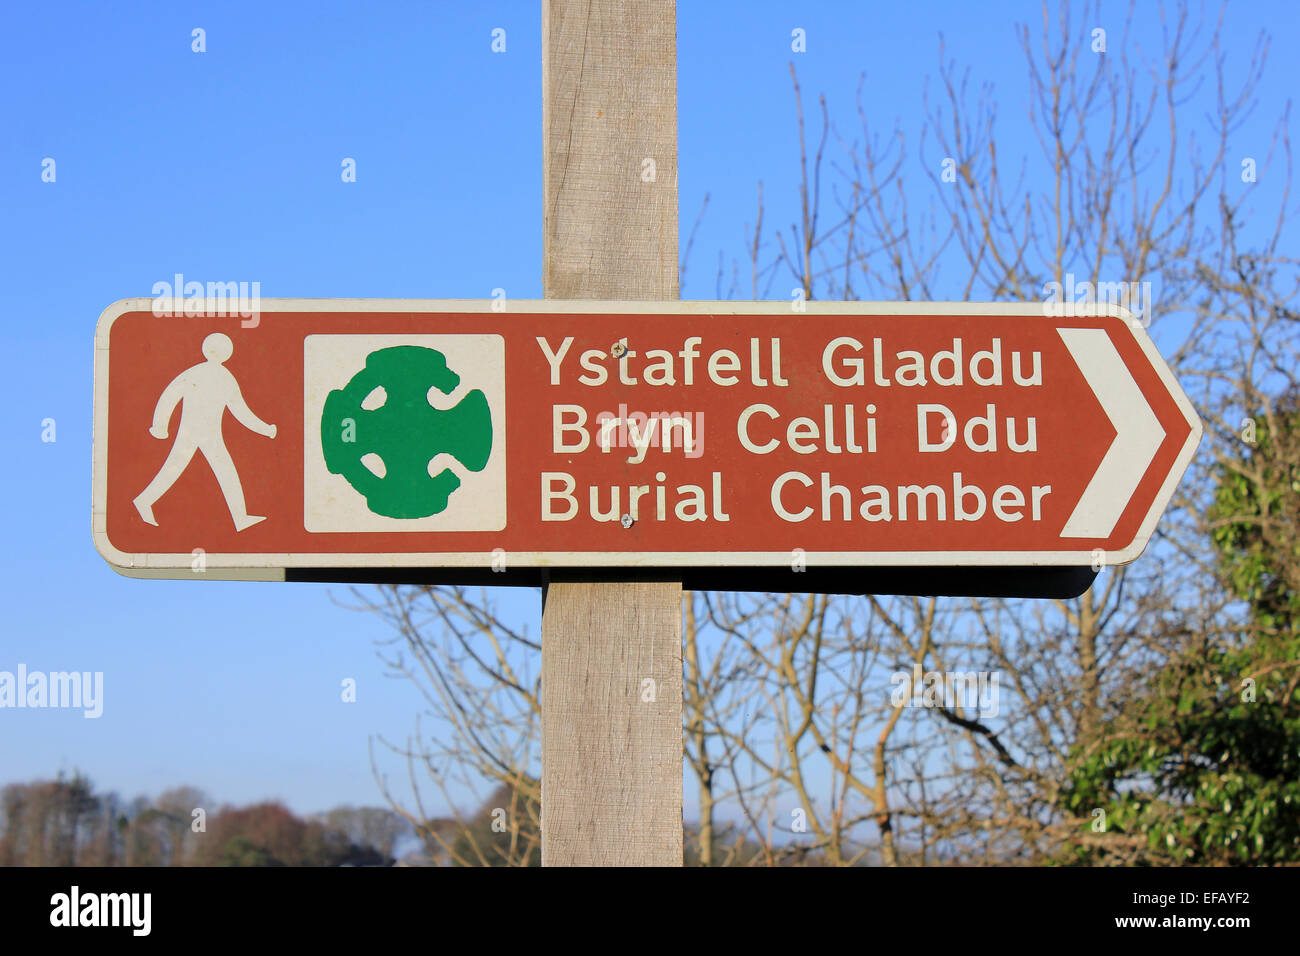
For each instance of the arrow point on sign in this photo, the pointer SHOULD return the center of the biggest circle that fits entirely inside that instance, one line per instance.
(1138, 434)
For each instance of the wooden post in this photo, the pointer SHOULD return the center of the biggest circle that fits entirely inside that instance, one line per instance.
(611, 652)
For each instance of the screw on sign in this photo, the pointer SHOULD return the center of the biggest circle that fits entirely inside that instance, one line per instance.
(384, 434)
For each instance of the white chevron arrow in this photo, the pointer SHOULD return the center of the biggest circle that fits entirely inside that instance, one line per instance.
(1138, 434)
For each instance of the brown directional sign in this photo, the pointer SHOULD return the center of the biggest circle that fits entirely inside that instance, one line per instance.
(331, 436)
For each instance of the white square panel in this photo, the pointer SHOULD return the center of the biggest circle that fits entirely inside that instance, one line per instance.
(331, 504)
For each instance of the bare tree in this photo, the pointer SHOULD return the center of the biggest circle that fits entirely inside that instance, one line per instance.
(799, 729)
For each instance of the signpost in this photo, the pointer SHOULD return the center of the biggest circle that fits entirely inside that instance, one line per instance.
(613, 444)
(611, 650)
(676, 435)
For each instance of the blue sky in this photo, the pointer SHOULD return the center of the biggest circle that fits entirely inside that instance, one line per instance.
(225, 166)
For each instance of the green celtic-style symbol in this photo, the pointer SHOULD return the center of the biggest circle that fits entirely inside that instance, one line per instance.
(405, 431)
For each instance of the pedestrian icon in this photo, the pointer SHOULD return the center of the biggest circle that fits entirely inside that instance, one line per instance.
(204, 392)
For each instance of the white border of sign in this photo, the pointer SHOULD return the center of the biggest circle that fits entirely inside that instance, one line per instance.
(271, 567)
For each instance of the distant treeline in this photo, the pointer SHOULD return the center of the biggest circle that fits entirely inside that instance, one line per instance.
(64, 822)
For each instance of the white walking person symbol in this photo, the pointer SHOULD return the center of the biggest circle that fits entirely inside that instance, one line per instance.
(205, 391)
